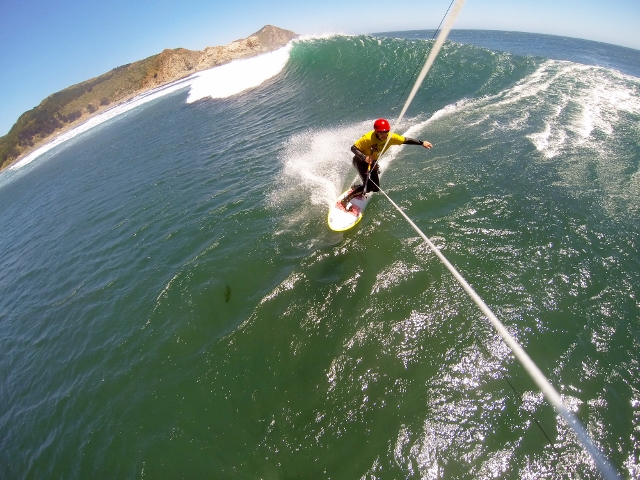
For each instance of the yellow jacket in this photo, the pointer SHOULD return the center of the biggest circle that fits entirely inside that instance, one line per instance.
(370, 145)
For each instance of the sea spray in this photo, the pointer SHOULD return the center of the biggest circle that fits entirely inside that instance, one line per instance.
(319, 163)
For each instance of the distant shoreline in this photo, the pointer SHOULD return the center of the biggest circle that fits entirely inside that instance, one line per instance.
(131, 99)
(65, 129)
(72, 107)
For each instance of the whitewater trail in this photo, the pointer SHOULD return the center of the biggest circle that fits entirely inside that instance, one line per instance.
(319, 162)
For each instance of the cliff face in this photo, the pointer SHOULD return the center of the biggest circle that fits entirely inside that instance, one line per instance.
(171, 65)
(175, 64)
(76, 104)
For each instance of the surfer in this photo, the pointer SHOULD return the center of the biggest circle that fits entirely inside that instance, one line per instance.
(366, 151)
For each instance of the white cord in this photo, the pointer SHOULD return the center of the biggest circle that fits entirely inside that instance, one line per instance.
(442, 36)
(532, 369)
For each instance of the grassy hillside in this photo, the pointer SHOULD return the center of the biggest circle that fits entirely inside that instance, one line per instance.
(73, 103)
(77, 103)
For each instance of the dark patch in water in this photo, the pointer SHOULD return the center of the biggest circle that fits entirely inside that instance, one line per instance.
(227, 294)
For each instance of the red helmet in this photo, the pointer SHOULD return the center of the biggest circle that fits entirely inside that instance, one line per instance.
(381, 125)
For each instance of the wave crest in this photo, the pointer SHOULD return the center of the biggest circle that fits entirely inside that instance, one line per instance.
(237, 76)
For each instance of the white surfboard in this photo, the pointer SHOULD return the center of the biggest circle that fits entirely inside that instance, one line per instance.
(340, 219)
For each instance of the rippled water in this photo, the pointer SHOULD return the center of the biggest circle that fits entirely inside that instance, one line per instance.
(173, 304)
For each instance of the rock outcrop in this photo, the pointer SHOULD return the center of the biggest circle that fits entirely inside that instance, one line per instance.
(175, 64)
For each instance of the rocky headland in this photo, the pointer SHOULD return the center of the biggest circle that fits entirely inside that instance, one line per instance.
(72, 106)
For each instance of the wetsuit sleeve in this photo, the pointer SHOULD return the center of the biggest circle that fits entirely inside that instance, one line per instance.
(358, 153)
(411, 141)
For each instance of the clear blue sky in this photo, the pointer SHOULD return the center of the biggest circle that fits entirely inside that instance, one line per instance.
(48, 45)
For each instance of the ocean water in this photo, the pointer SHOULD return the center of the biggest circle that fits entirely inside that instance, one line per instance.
(173, 304)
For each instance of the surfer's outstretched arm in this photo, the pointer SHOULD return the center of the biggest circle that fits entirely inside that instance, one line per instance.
(411, 141)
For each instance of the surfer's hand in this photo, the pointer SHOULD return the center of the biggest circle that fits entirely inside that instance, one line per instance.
(369, 160)
(426, 144)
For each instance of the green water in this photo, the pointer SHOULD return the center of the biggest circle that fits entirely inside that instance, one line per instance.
(173, 304)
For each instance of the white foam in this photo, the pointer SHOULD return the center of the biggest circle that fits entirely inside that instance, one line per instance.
(577, 100)
(238, 76)
(323, 36)
(571, 102)
(601, 104)
(548, 142)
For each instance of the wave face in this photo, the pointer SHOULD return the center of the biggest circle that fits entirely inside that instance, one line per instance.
(173, 304)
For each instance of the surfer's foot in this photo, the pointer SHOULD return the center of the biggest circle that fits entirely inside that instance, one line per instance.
(346, 202)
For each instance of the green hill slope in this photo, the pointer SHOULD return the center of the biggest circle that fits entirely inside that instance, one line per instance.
(77, 103)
